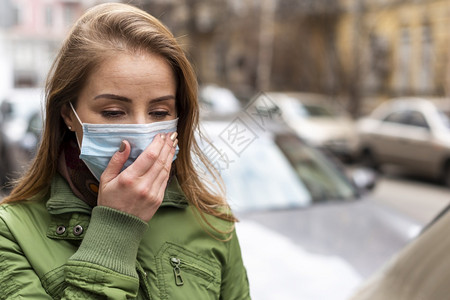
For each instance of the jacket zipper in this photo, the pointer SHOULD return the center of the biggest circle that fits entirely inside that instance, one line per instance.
(178, 265)
(177, 271)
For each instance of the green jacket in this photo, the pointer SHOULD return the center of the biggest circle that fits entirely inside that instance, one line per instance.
(57, 247)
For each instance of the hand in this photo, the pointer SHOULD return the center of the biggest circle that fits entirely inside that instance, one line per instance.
(139, 189)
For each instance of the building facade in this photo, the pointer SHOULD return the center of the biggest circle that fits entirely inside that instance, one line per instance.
(396, 47)
(31, 32)
(355, 49)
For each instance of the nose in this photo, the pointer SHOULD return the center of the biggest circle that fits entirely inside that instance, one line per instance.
(140, 118)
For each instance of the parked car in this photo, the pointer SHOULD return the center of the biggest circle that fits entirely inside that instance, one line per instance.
(307, 231)
(318, 119)
(20, 130)
(217, 101)
(412, 133)
(419, 271)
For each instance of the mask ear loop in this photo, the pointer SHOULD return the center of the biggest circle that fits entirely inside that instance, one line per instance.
(81, 123)
(76, 115)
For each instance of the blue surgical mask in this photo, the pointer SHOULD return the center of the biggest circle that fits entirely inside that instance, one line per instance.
(101, 141)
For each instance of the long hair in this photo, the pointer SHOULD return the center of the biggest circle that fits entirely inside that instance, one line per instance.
(102, 31)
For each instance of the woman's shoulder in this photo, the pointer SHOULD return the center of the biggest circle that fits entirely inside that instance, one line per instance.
(213, 223)
(18, 210)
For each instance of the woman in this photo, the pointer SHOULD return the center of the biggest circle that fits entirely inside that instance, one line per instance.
(100, 214)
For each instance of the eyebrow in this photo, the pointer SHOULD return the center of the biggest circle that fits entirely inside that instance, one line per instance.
(125, 99)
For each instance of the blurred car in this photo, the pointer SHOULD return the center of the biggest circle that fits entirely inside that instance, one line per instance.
(316, 118)
(412, 133)
(217, 101)
(419, 271)
(20, 130)
(304, 223)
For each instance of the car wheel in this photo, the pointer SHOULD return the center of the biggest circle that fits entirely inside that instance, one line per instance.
(367, 159)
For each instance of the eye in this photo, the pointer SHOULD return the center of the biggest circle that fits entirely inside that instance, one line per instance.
(159, 114)
(112, 114)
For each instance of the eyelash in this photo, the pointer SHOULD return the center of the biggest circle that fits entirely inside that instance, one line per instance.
(112, 114)
(159, 114)
(117, 114)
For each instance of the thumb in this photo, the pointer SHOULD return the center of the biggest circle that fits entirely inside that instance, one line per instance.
(116, 163)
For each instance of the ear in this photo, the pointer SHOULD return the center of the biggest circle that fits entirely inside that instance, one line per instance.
(68, 117)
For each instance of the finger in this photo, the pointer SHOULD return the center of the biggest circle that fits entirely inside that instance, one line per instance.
(168, 150)
(160, 182)
(162, 188)
(148, 157)
(159, 173)
(166, 155)
(116, 163)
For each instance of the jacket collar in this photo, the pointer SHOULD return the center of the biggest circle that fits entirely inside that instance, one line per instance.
(62, 200)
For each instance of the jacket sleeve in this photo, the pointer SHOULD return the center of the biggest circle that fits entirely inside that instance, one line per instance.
(17, 279)
(235, 284)
(104, 266)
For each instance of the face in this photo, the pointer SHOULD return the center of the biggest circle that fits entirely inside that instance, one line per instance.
(125, 89)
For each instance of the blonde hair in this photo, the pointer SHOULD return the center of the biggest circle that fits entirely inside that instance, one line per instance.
(103, 31)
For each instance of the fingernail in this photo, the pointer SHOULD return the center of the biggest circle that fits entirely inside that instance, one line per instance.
(173, 136)
(122, 147)
(163, 136)
(175, 143)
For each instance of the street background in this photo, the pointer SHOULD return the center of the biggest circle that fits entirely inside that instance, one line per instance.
(356, 54)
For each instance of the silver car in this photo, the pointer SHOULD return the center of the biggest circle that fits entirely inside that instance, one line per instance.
(318, 119)
(306, 230)
(412, 133)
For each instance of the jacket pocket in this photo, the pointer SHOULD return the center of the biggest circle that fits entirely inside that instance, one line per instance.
(184, 274)
(54, 282)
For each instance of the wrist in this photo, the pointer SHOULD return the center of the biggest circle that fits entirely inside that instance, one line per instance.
(112, 240)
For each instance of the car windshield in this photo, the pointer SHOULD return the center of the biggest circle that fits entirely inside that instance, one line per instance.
(312, 111)
(283, 173)
(263, 178)
(322, 178)
(317, 111)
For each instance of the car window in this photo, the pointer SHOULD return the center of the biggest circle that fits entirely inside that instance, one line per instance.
(322, 178)
(266, 106)
(417, 119)
(261, 163)
(399, 117)
(315, 111)
(275, 171)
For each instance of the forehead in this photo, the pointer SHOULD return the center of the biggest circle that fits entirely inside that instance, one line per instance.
(133, 68)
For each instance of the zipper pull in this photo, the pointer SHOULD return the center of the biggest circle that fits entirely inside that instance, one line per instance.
(177, 271)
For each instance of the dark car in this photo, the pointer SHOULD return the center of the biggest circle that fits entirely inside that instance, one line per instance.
(307, 230)
(21, 127)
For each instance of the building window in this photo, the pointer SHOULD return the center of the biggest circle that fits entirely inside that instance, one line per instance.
(404, 62)
(426, 71)
(25, 79)
(48, 17)
(69, 14)
(16, 16)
